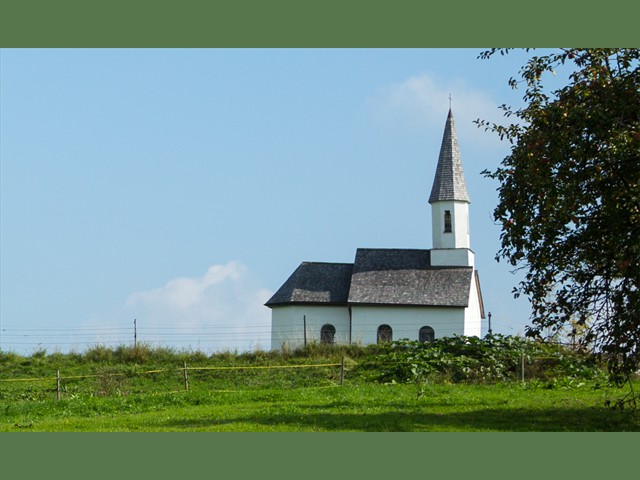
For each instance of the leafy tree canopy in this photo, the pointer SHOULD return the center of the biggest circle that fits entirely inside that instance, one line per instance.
(569, 197)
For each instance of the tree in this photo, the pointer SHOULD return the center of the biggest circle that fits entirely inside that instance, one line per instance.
(569, 198)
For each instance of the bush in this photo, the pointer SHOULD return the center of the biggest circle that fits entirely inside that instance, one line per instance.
(99, 354)
(471, 359)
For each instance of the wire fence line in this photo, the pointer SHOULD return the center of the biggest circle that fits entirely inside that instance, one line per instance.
(190, 336)
(178, 369)
(14, 334)
(525, 368)
(185, 369)
(193, 336)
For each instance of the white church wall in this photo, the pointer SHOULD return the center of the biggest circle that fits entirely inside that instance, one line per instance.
(287, 324)
(405, 322)
(473, 314)
(459, 235)
(450, 257)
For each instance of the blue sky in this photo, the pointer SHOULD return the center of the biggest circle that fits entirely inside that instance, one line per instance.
(181, 188)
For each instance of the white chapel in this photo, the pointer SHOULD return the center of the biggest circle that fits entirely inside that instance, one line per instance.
(391, 294)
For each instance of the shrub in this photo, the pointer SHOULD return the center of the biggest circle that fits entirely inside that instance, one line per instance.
(99, 354)
(138, 354)
(472, 359)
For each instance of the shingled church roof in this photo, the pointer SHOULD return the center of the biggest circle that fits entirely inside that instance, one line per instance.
(314, 282)
(406, 277)
(448, 183)
(378, 277)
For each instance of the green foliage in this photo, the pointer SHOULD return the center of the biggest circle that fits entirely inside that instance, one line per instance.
(569, 198)
(494, 358)
(99, 354)
(316, 349)
(125, 396)
(127, 370)
(111, 381)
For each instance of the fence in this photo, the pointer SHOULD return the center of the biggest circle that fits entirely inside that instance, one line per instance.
(121, 378)
(106, 378)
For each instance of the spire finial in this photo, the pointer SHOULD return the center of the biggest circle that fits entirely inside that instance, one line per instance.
(449, 101)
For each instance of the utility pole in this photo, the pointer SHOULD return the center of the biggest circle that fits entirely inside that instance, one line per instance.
(489, 315)
(135, 334)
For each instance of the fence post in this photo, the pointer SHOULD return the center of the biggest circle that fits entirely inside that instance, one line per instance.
(186, 378)
(58, 385)
(304, 327)
(522, 367)
(342, 370)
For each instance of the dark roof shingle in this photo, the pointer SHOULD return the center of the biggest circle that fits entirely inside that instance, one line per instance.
(311, 282)
(378, 277)
(406, 277)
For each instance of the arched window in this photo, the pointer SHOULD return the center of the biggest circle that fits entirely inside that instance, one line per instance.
(327, 334)
(427, 334)
(447, 221)
(385, 334)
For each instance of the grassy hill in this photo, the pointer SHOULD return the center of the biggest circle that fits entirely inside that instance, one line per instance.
(452, 385)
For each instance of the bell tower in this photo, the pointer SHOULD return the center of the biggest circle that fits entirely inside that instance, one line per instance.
(450, 205)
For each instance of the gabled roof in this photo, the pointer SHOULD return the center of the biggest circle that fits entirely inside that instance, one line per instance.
(406, 277)
(449, 183)
(378, 277)
(314, 282)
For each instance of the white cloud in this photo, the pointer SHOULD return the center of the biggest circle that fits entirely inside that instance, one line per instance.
(220, 310)
(422, 102)
(186, 293)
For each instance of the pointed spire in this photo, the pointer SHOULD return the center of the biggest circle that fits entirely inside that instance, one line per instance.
(449, 183)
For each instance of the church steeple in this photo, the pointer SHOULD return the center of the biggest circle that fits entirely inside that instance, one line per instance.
(449, 201)
(449, 183)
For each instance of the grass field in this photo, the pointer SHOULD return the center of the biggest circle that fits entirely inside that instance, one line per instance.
(107, 393)
(394, 407)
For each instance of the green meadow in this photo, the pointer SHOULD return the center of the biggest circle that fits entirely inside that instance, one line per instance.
(312, 389)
